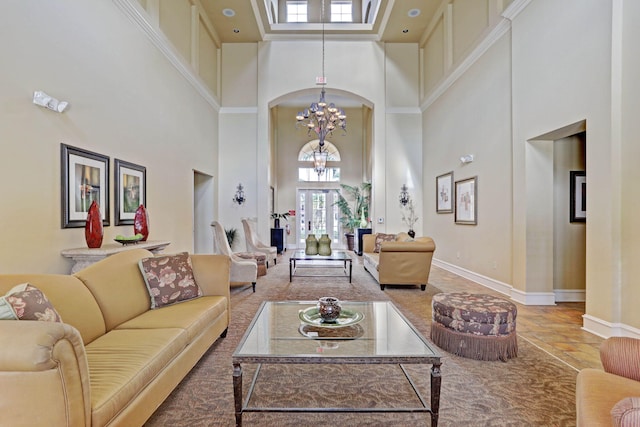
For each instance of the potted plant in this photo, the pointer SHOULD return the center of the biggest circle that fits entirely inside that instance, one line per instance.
(276, 218)
(231, 235)
(353, 206)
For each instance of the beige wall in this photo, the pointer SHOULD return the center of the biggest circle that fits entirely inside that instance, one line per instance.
(473, 118)
(569, 243)
(626, 111)
(126, 102)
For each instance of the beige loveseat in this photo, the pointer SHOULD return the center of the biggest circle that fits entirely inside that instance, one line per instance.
(114, 360)
(403, 261)
(611, 397)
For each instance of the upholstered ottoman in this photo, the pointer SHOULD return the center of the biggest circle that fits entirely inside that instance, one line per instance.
(261, 260)
(476, 326)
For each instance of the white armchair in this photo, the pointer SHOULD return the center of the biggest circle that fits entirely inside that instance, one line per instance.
(255, 245)
(242, 270)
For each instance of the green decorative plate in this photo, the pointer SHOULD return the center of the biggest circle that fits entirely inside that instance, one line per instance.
(311, 316)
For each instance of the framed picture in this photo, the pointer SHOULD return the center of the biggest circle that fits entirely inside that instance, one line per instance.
(131, 190)
(84, 178)
(467, 201)
(444, 187)
(577, 196)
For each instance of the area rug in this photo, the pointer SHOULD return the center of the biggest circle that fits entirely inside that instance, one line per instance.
(533, 389)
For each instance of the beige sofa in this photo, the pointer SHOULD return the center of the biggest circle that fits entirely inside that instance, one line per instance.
(399, 262)
(114, 360)
(611, 397)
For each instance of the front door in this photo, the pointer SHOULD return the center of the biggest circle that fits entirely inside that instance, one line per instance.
(318, 215)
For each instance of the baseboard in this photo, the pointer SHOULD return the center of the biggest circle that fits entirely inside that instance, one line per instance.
(485, 281)
(606, 329)
(525, 298)
(570, 295)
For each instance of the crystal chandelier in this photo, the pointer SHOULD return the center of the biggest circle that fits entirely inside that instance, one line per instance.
(321, 117)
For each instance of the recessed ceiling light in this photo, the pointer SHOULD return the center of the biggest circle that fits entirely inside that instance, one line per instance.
(229, 12)
(413, 13)
(235, 30)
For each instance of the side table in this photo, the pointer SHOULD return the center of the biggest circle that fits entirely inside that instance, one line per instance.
(84, 257)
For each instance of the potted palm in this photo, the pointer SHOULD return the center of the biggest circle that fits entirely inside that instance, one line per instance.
(353, 203)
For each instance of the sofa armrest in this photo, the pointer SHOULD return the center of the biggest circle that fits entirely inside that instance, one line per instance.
(44, 374)
(626, 413)
(621, 356)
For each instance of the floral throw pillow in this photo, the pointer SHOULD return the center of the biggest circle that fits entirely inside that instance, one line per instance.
(26, 302)
(169, 279)
(381, 237)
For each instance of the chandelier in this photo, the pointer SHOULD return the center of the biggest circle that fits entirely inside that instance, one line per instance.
(321, 117)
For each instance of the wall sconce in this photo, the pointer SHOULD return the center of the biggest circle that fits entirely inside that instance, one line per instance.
(404, 195)
(239, 196)
(42, 99)
(467, 158)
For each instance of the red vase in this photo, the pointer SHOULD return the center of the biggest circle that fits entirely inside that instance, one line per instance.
(141, 223)
(93, 231)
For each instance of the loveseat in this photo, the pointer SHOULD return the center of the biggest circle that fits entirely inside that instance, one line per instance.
(399, 259)
(611, 397)
(114, 360)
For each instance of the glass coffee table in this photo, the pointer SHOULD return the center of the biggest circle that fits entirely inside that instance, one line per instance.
(368, 333)
(341, 258)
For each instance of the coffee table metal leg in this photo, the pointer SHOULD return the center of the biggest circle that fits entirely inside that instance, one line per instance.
(436, 380)
(237, 392)
(350, 270)
(290, 269)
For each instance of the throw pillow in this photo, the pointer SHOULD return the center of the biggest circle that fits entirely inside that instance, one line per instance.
(382, 237)
(169, 279)
(26, 302)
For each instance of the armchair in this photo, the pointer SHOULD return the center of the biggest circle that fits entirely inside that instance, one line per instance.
(255, 245)
(242, 270)
(611, 397)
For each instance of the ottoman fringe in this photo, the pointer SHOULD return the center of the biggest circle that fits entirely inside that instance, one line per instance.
(479, 347)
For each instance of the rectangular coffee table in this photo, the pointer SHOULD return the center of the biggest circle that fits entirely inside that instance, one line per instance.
(342, 258)
(373, 333)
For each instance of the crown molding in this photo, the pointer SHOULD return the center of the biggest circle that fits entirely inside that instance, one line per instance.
(134, 11)
(515, 8)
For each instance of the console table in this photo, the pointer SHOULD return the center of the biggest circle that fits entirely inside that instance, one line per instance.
(277, 239)
(84, 257)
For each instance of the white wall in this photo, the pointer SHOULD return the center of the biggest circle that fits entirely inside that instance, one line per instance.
(386, 80)
(126, 102)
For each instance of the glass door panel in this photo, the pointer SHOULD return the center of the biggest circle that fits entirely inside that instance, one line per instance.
(317, 215)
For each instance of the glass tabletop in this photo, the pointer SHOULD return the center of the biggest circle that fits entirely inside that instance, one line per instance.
(278, 333)
(300, 255)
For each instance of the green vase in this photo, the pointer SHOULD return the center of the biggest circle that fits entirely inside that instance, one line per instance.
(324, 245)
(363, 220)
(312, 245)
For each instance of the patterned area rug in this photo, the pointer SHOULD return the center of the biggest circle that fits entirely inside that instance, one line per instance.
(533, 389)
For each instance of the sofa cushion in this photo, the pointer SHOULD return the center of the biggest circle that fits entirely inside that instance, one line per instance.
(382, 237)
(404, 237)
(117, 286)
(123, 362)
(169, 279)
(26, 302)
(73, 301)
(193, 316)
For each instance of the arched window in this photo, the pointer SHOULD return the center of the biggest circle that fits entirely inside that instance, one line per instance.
(308, 174)
(306, 152)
